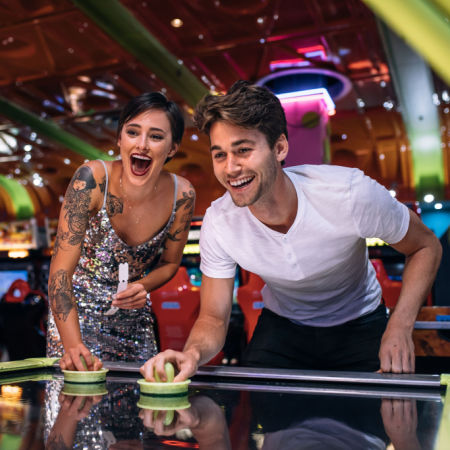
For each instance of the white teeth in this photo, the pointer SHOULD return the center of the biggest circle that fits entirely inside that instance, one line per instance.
(237, 183)
(143, 157)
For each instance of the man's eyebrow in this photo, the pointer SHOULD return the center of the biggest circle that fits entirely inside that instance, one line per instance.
(235, 144)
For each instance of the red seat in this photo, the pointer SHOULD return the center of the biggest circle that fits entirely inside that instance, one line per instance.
(250, 301)
(176, 306)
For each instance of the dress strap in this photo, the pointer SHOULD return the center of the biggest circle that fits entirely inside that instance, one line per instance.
(175, 180)
(106, 186)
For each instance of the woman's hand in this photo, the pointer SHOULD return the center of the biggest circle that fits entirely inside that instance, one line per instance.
(133, 297)
(71, 360)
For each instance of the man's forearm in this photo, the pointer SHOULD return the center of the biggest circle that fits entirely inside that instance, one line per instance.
(418, 276)
(206, 339)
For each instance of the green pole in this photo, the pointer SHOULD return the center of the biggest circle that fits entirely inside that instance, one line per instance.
(123, 27)
(422, 25)
(50, 130)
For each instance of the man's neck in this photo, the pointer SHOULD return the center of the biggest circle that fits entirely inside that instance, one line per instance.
(279, 209)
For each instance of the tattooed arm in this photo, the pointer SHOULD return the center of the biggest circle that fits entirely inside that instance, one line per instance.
(83, 197)
(173, 251)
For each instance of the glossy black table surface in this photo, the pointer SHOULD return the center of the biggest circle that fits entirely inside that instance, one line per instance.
(226, 408)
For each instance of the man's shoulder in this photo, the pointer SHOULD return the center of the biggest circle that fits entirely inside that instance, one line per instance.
(319, 174)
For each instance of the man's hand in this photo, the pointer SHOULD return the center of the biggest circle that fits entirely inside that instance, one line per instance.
(397, 350)
(400, 423)
(71, 360)
(186, 363)
(133, 297)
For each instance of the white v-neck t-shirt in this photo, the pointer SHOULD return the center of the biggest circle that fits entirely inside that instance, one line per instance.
(318, 273)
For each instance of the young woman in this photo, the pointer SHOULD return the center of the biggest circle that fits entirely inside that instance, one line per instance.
(125, 211)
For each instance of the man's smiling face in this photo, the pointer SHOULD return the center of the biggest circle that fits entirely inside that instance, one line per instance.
(243, 162)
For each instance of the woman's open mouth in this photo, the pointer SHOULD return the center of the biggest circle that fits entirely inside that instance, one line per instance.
(140, 164)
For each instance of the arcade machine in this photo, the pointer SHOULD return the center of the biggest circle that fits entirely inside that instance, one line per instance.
(23, 304)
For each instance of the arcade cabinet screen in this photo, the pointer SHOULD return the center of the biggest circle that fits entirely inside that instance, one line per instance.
(8, 276)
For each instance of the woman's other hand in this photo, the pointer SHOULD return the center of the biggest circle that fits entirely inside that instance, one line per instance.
(133, 297)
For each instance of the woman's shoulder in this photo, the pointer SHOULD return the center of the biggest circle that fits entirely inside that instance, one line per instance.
(184, 187)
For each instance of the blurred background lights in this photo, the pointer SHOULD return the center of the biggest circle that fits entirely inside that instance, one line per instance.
(438, 206)
(428, 198)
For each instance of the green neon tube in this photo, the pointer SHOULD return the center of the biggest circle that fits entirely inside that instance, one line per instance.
(123, 27)
(422, 25)
(50, 130)
(22, 203)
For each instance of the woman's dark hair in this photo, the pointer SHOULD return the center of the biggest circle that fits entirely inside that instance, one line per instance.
(245, 105)
(154, 100)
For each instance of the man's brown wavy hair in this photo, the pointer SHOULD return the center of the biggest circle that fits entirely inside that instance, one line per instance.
(245, 105)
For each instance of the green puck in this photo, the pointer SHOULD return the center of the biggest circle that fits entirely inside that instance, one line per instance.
(170, 389)
(84, 389)
(85, 376)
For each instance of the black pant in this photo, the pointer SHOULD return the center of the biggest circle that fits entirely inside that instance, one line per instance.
(277, 342)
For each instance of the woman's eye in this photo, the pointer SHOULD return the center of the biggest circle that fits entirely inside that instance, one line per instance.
(132, 133)
(157, 137)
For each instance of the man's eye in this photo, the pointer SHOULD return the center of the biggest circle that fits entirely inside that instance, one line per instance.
(218, 155)
(244, 150)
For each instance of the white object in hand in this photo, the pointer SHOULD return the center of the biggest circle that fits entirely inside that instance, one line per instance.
(123, 283)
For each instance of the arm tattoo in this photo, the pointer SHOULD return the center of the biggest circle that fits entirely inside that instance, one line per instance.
(102, 185)
(77, 201)
(114, 205)
(187, 202)
(60, 294)
(61, 236)
(56, 443)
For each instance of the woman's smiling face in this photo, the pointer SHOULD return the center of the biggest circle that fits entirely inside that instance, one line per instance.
(145, 142)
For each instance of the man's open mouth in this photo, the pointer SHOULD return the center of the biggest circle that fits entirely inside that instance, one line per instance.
(140, 164)
(241, 182)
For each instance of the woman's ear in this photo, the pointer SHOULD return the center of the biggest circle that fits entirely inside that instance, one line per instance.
(173, 150)
(281, 148)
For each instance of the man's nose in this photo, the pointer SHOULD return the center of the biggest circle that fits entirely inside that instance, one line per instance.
(233, 164)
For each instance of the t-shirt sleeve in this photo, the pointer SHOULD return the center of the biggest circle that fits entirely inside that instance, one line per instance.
(214, 261)
(375, 212)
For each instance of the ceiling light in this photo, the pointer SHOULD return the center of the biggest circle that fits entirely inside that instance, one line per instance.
(110, 152)
(176, 23)
(438, 206)
(307, 95)
(260, 20)
(428, 198)
(194, 137)
(393, 193)
(382, 156)
(28, 147)
(200, 36)
(388, 105)
(26, 158)
(17, 171)
(383, 83)
(360, 102)
(344, 137)
(67, 161)
(435, 99)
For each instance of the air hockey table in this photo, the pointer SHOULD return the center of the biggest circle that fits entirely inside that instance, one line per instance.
(226, 408)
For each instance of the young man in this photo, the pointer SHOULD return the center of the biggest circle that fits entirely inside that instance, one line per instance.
(302, 229)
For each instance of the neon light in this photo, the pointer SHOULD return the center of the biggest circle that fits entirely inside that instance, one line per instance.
(308, 95)
(314, 51)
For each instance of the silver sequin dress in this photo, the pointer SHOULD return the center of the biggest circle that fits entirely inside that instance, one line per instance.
(128, 335)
